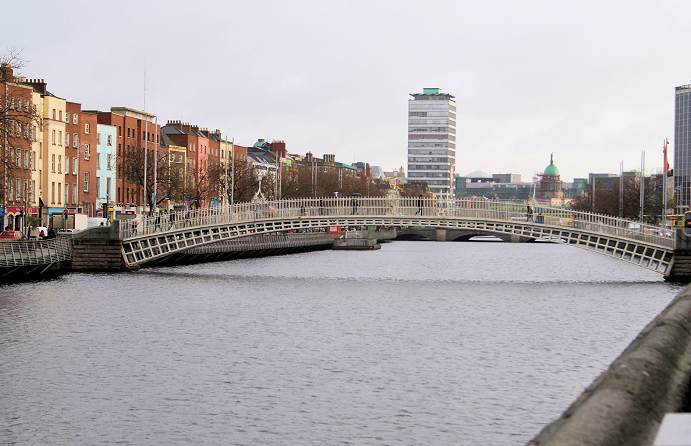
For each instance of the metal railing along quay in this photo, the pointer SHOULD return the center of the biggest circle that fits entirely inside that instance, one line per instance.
(40, 252)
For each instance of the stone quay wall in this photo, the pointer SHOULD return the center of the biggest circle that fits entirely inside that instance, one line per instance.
(626, 403)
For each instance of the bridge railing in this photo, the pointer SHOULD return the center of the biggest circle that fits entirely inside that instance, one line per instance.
(41, 252)
(422, 208)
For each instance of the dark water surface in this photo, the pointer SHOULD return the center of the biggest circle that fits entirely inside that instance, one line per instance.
(418, 343)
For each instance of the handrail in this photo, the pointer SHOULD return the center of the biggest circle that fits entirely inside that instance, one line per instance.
(416, 208)
(41, 252)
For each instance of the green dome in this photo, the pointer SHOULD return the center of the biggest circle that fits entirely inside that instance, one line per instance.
(551, 170)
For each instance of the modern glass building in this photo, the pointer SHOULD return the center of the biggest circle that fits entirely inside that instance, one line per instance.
(432, 140)
(682, 147)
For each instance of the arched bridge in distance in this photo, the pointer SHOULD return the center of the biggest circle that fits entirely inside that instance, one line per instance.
(152, 238)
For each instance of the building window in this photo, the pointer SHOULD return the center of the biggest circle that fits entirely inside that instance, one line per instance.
(52, 137)
(59, 193)
(60, 138)
(87, 152)
(75, 140)
(98, 138)
(74, 194)
(109, 164)
(60, 114)
(67, 165)
(11, 103)
(128, 132)
(67, 117)
(74, 119)
(33, 160)
(86, 181)
(52, 163)
(18, 160)
(98, 187)
(120, 131)
(53, 114)
(59, 163)
(67, 193)
(26, 159)
(86, 128)
(67, 139)
(110, 140)
(74, 166)
(98, 163)
(108, 180)
(18, 192)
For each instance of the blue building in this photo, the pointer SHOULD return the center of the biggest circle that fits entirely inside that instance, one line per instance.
(105, 164)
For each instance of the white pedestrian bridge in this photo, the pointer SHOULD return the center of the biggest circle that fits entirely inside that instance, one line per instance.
(148, 239)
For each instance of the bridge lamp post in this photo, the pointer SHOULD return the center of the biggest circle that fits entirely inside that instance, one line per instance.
(259, 196)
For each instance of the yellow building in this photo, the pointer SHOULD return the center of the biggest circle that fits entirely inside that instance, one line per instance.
(53, 154)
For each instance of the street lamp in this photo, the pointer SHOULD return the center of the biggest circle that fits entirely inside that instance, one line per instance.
(259, 196)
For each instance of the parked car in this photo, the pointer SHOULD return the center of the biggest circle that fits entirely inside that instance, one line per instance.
(11, 235)
(67, 231)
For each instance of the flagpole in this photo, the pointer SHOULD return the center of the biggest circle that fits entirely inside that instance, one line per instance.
(664, 181)
(642, 214)
(232, 179)
(621, 189)
(225, 194)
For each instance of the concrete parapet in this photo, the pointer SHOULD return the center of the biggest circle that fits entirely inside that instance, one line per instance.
(626, 403)
(97, 249)
(680, 268)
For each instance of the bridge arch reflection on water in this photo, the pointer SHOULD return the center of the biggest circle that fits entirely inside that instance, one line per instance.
(155, 237)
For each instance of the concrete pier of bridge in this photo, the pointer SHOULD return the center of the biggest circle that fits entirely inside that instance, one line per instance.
(680, 268)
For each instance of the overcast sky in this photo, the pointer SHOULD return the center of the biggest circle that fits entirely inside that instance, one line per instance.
(591, 81)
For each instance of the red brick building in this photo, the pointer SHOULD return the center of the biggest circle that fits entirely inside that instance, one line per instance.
(81, 140)
(198, 147)
(18, 149)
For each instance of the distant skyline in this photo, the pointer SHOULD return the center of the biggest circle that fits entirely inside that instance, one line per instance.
(592, 81)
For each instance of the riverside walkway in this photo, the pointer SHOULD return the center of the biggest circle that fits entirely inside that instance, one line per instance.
(148, 239)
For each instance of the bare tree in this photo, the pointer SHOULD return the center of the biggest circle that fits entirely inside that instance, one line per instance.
(607, 199)
(169, 184)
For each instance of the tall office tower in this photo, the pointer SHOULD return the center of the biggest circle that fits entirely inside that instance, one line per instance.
(432, 140)
(682, 147)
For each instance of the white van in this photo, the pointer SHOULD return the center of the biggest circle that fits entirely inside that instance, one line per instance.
(38, 233)
(92, 222)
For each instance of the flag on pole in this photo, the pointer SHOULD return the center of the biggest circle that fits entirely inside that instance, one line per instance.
(664, 150)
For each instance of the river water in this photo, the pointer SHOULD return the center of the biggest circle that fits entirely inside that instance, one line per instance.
(418, 343)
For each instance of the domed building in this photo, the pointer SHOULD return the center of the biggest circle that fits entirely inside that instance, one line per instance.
(549, 184)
